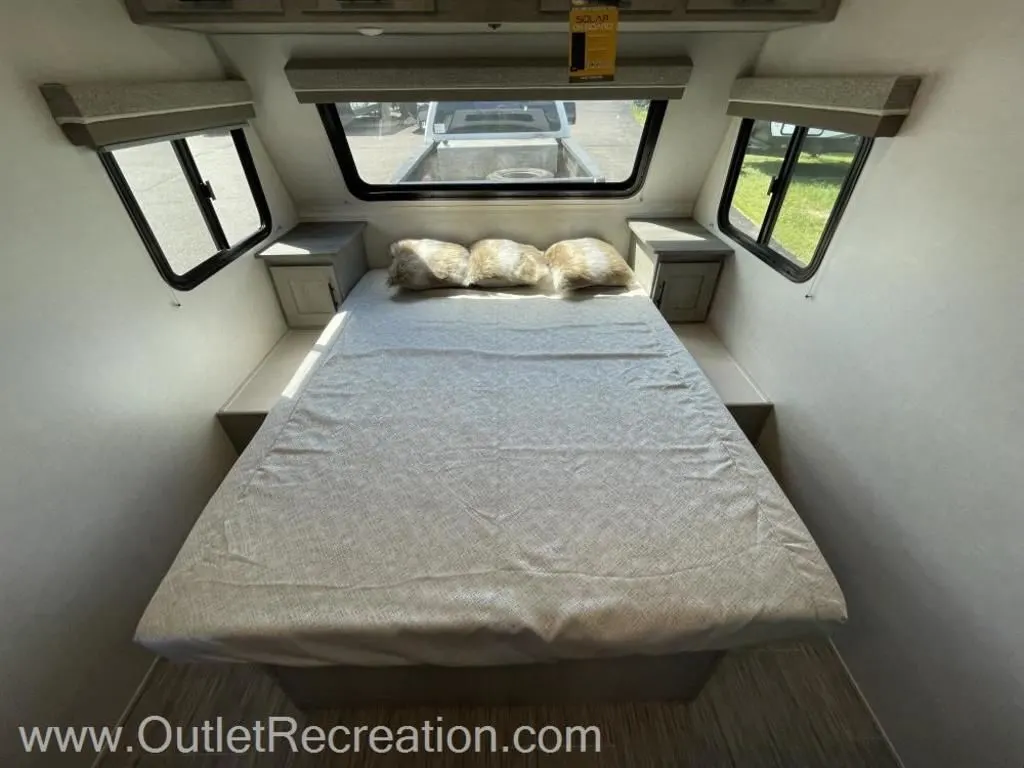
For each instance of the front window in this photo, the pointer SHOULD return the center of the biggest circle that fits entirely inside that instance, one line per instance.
(493, 148)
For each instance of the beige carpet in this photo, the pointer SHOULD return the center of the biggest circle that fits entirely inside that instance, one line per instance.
(787, 706)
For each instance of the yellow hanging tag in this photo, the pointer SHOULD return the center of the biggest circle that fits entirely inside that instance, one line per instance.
(593, 37)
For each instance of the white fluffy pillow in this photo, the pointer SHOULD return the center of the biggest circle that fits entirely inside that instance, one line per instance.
(422, 264)
(584, 262)
(504, 264)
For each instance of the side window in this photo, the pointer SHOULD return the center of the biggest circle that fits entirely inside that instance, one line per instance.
(786, 191)
(196, 201)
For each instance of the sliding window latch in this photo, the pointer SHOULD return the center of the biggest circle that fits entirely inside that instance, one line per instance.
(773, 185)
(208, 191)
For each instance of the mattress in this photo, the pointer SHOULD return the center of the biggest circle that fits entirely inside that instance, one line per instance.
(483, 478)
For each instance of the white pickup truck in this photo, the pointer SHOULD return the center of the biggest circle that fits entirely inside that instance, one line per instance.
(472, 141)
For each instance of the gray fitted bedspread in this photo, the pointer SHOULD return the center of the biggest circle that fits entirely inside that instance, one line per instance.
(476, 478)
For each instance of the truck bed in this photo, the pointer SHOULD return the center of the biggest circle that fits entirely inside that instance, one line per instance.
(505, 160)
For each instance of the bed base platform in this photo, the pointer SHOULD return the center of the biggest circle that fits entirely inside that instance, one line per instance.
(679, 677)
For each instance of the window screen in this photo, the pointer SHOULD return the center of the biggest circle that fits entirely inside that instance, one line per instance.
(196, 202)
(786, 191)
(493, 148)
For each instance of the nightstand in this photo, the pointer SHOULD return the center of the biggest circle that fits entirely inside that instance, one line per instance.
(313, 267)
(678, 262)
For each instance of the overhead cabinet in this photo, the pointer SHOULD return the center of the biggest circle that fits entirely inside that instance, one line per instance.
(627, 6)
(748, 6)
(350, 7)
(201, 7)
(277, 15)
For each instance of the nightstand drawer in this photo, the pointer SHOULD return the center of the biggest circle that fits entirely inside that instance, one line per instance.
(683, 290)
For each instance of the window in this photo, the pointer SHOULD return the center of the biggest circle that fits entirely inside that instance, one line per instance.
(786, 191)
(196, 202)
(466, 149)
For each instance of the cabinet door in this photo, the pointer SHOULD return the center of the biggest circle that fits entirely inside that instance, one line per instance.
(309, 295)
(627, 6)
(366, 7)
(210, 6)
(683, 291)
(766, 6)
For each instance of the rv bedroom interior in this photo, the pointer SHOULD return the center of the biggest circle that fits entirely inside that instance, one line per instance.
(512, 382)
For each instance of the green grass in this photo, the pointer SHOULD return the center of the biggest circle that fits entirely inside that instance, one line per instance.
(809, 202)
(639, 112)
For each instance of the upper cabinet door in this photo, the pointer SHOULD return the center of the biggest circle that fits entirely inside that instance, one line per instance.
(627, 6)
(210, 6)
(368, 7)
(750, 6)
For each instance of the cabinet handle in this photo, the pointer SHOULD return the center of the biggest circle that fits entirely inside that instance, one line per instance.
(658, 294)
(334, 296)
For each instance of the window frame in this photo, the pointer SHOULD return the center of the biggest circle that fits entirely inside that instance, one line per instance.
(761, 247)
(484, 191)
(226, 252)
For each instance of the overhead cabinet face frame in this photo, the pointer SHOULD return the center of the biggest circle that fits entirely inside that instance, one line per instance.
(348, 7)
(251, 15)
(626, 6)
(200, 7)
(746, 6)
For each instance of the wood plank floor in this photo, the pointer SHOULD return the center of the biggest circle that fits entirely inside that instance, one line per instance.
(784, 706)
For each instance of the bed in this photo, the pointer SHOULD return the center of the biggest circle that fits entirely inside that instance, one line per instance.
(509, 486)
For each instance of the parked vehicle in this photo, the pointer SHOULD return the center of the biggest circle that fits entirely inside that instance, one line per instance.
(374, 110)
(422, 107)
(498, 141)
(775, 137)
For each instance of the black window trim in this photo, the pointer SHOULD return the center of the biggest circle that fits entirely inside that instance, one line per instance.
(226, 253)
(779, 187)
(478, 191)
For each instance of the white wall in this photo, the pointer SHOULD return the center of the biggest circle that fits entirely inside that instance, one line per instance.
(899, 385)
(300, 150)
(108, 444)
